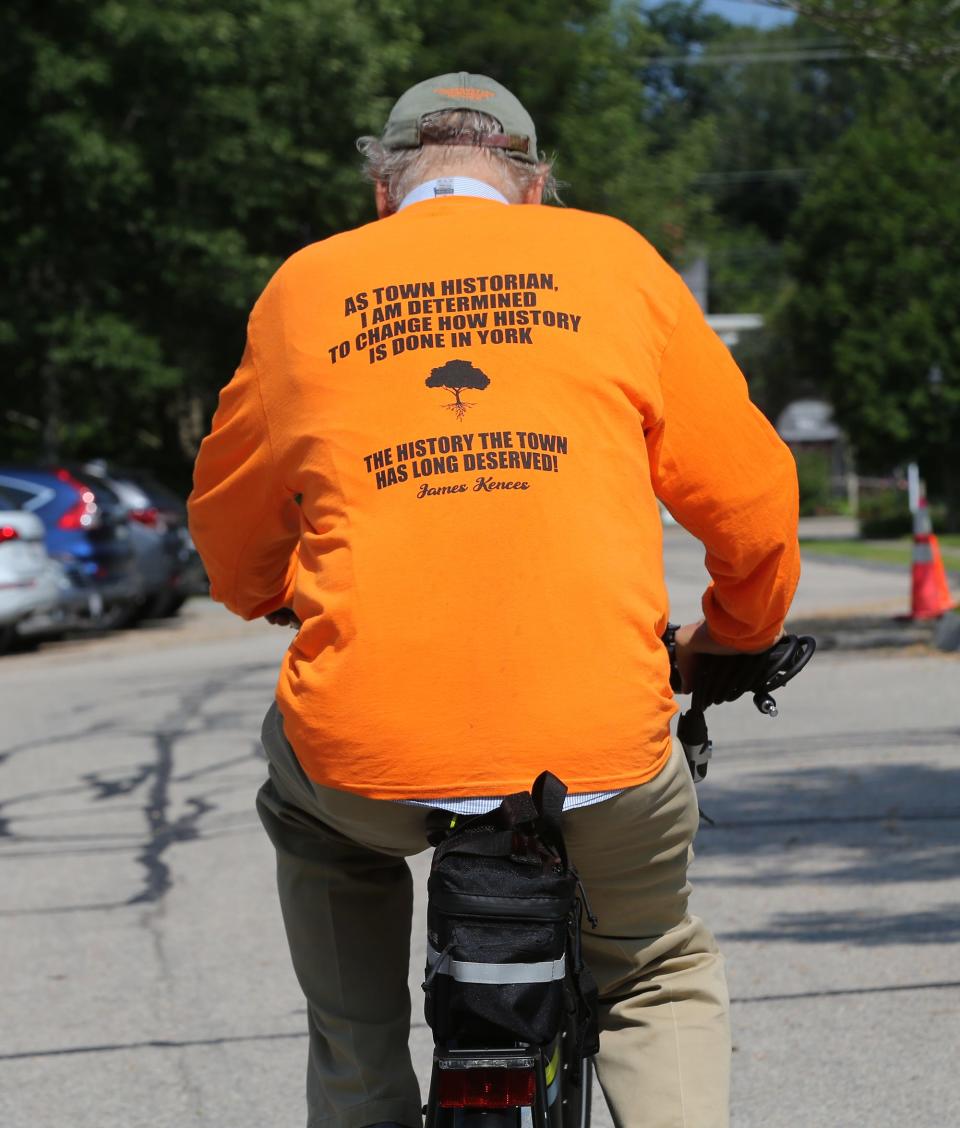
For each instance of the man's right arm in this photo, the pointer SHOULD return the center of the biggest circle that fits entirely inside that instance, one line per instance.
(728, 478)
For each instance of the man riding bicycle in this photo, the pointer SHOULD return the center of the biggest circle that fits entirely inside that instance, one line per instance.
(441, 459)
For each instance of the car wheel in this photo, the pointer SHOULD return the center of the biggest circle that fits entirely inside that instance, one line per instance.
(175, 601)
(118, 616)
(162, 604)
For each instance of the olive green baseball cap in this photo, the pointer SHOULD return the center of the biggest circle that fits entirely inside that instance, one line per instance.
(461, 91)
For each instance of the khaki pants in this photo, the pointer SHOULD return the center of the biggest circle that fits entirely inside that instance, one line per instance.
(347, 901)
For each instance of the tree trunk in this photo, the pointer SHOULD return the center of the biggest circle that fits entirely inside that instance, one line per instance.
(191, 424)
(52, 412)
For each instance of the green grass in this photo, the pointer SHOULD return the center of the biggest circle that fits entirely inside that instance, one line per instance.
(883, 552)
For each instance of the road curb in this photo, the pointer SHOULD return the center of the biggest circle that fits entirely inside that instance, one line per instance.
(947, 635)
(868, 632)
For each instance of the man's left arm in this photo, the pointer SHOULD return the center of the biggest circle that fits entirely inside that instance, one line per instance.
(243, 518)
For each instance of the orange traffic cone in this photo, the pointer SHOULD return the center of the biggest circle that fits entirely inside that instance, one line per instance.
(930, 596)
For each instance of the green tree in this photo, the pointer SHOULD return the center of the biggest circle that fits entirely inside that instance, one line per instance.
(160, 161)
(578, 67)
(774, 98)
(913, 33)
(875, 255)
(532, 46)
(614, 154)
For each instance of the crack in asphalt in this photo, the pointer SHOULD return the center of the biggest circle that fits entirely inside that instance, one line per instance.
(804, 743)
(224, 828)
(256, 751)
(299, 1035)
(153, 789)
(162, 832)
(193, 705)
(191, 714)
(153, 921)
(63, 738)
(111, 788)
(837, 992)
(720, 823)
(152, 1044)
(60, 910)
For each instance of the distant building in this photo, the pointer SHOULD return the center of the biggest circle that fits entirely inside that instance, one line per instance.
(808, 421)
(807, 426)
(727, 326)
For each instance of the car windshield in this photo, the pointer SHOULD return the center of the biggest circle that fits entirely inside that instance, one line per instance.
(158, 494)
(106, 495)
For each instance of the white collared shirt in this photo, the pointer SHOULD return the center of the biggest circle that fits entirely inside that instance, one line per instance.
(452, 186)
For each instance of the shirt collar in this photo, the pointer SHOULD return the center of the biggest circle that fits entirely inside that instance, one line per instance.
(452, 186)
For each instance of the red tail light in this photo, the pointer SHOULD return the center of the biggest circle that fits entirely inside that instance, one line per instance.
(8, 533)
(83, 513)
(486, 1088)
(148, 517)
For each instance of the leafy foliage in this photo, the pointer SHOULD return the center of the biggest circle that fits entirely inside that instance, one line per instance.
(615, 158)
(914, 33)
(773, 100)
(575, 65)
(877, 269)
(161, 160)
(813, 478)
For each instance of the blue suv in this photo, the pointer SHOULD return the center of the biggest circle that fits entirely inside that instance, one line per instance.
(86, 529)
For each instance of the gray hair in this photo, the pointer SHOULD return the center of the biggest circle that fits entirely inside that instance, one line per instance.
(401, 170)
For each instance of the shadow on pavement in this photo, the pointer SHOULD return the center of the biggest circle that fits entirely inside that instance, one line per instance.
(859, 826)
(932, 926)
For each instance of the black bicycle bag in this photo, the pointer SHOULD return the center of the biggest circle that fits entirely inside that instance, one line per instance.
(503, 926)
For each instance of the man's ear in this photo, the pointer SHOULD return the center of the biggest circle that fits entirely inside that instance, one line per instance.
(382, 193)
(534, 194)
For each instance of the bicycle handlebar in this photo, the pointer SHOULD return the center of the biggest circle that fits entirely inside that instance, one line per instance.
(721, 678)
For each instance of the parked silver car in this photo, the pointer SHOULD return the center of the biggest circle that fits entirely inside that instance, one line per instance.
(32, 585)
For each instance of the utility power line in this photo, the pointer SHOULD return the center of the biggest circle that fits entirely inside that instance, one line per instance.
(810, 55)
(759, 4)
(747, 174)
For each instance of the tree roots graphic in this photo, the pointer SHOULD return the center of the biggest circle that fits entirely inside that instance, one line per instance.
(459, 408)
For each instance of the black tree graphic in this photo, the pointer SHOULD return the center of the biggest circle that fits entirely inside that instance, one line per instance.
(457, 375)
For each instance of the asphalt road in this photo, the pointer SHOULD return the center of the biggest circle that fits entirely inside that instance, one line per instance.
(827, 587)
(145, 975)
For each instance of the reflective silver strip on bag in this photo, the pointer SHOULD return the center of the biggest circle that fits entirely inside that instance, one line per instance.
(466, 971)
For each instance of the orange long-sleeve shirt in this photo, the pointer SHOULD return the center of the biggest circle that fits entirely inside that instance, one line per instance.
(443, 448)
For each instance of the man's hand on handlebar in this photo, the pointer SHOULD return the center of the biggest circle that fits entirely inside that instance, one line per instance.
(695, 639)
(715, 673)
